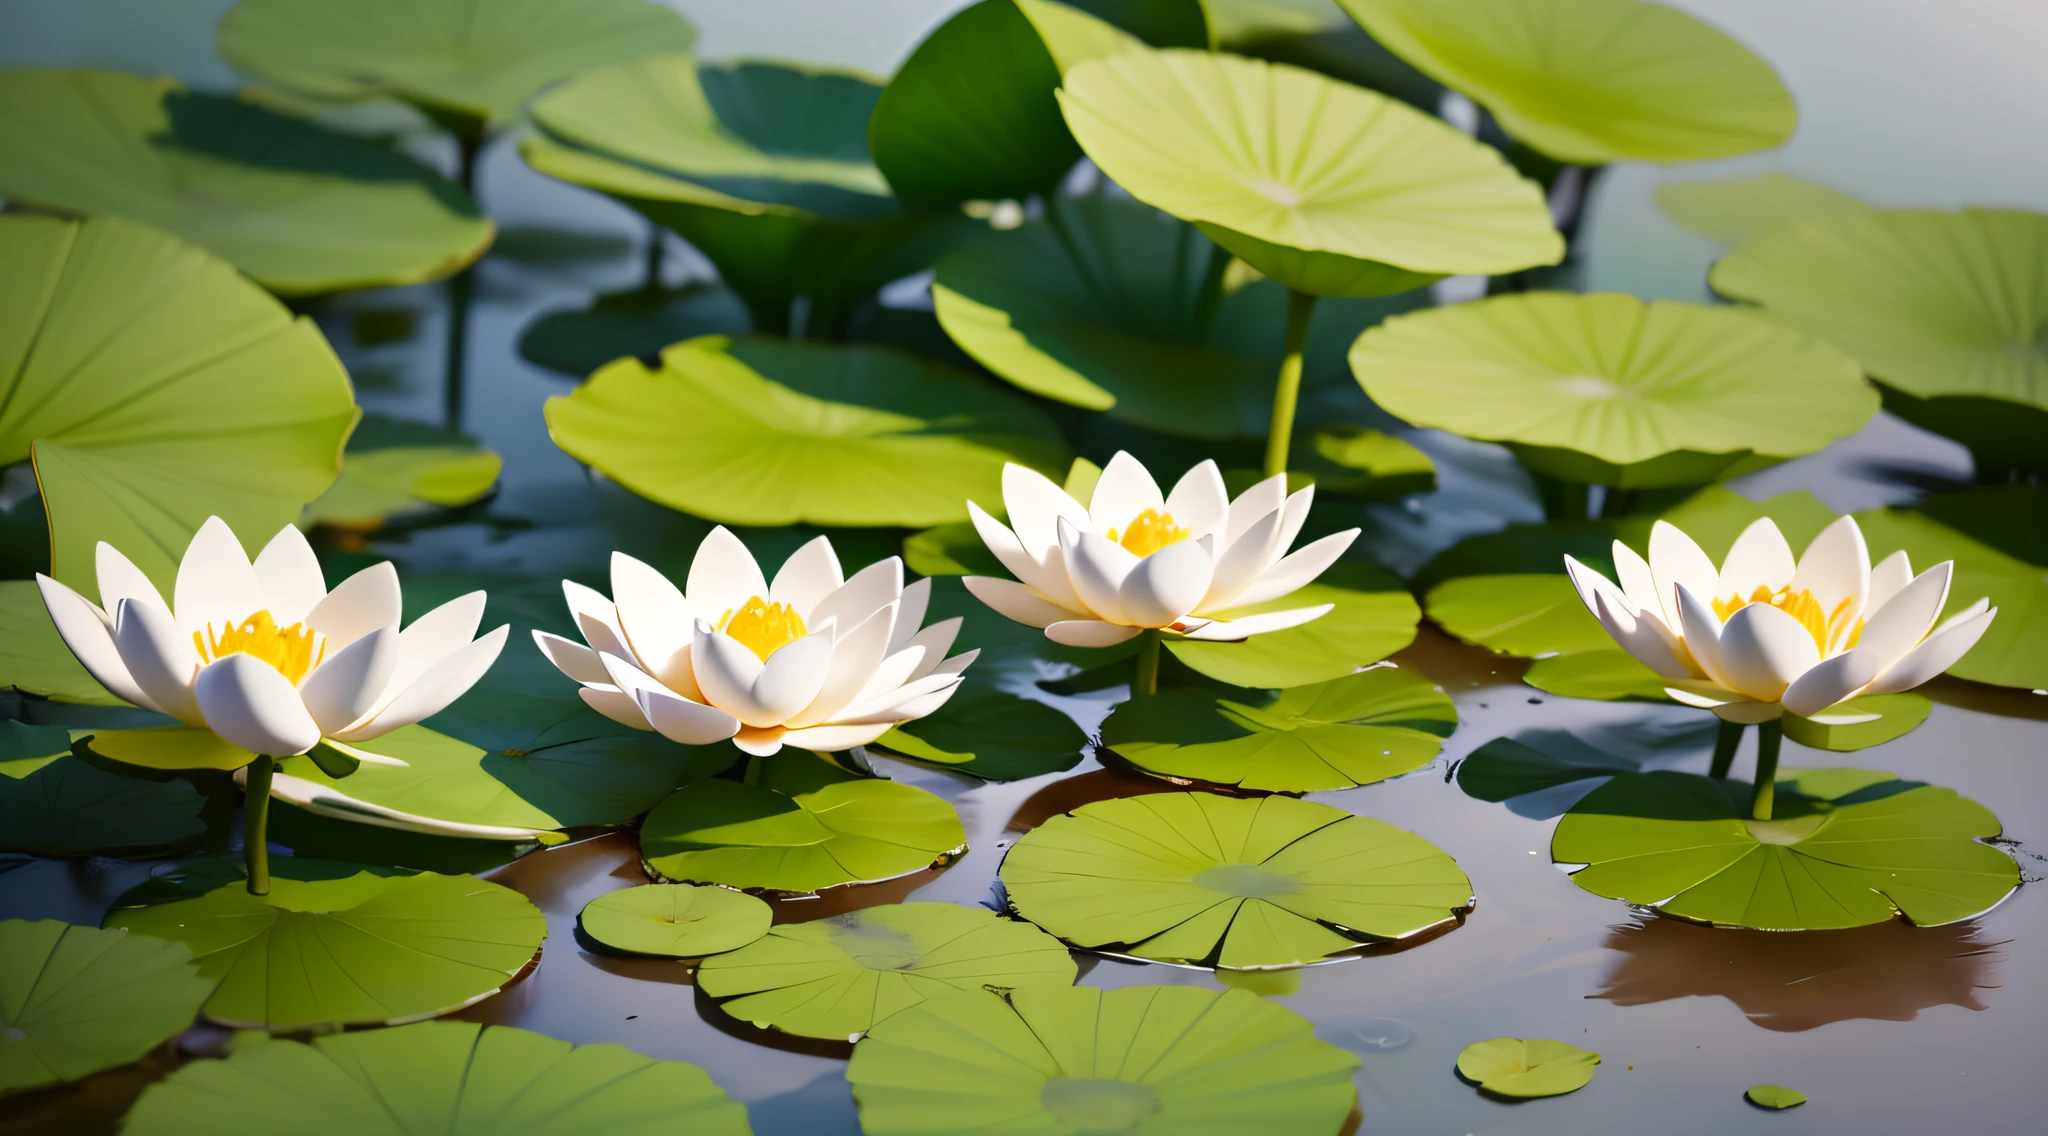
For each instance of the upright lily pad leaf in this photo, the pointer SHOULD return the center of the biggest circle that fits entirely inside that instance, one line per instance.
(640, 322)
(33, 658)
(1774, 1096)
(466, 63)
(1205, 880)
(998, 737)
(1942, 308)
(154, 387)
(1730, 211)
(675, 920)
(1374, 617)
(76, 1000)
(1350, 731)
(835, 978)
(437, 1077)
(1327, 188)
(337, 944)
(1316, 34)
(1142, 1060)
(801, 826)
(780, 433)
(1594, 81)
(53, 804)
(1514, 1067)
(1610, 390)
(2014, 651)
(299, 207)
(1846, 847)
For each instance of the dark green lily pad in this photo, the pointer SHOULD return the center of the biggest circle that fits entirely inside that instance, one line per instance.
(76, 1000)
(1514, 1067)
(1374, 617)
(1000, 737)
(1531, 762)
(1845, 848)
(639, 322)
(675, 920)
(1774, 1096)
(835, 978)
(53, 804)
(317, 837)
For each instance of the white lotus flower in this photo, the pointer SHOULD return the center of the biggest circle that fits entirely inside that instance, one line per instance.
(262, 654)
(1132, 560)
(1762, 635)
(810, 660)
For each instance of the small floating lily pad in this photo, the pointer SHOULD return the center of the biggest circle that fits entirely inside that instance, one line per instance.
(836, 977)
(1143, 1060)
(800, 825)
(54, 804)
(1205, 880)
(1515, 1067)
(337, 944)
(436, 1077)
(1350, 731)
(1845, 848)
(675, 920)
(1774, 1096)
(1373, 617)
(76, 1000)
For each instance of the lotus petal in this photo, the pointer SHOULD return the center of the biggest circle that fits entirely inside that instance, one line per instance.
(249, 704)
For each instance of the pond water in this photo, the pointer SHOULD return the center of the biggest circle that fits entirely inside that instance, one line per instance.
(1886, 1029)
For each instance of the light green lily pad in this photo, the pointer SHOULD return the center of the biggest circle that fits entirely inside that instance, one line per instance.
(1610, 390)
(1206, 880)
(1370, 465)
(1897, 715)
(436, 1077)
(835, 978)
(675, 920)
(1594, 81)
(1349, 731)
(998, 737)
(154, 388)
(33, 657)
(76, 1000)
(1536, 1067)
(165, 749)
(2014, 650)
(468, 64)
(639, 322)
(1603, 673)
(1774, 1096)
(800, 825)
(1374, 617)
(337, 944)
(779, 433)
(1846, 847)
(394, 469)
(301, 208)
(1730, 211)
(1359, 195)
(53, 804)
(1139, 1060)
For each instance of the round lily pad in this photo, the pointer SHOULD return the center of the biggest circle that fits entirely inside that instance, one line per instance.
(1350, 731)
(337, 944)
(1140, 1060)
(1361, 195)
(675, 920)
(436, 1077)
(799, 826)
(1594, 81)
(53, 804)
(835, 978)
(395, 469)
(467, 63)
(1515, 1067)
(1845, 848)
(827, 435)
(76, 1000)
(1730, 211)
(1374, 616)
(154, 388)
(2014, 650)
(1205, 880)
(1607, 389)
(301, 208)
(1774, 1096)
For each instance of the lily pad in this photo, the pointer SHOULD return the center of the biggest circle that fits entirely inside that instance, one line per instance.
(53, 804)
(154, 387)
(318, 837)
(1204, 880)
(1316, 34)
(467, 64)
(1536, 760)
(2014, 651)
(835, 978)
(76, 1000)
(1142, 1060)
(1897, 715)
(301, 208)
(33, 658)
(394, 469)
(1594, 81)
(1517, 1067)
(1359, 195)
(1350, 731)
(998, 737)
(1730, 211)
(1610, 390)
(436, 1077)
(337, 944)
(780, 432)
(800, 825)
(1774, 1096)
(1846, 847)
(1374, 617)
(639, 322)
(1603, 674)
(675, 920)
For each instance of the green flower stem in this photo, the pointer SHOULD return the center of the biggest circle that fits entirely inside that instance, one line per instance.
(1301, 307)
(1146, 681)
(256, 824)
(657, 241)
(1768, 737)
(461, 290)
(1726, 740)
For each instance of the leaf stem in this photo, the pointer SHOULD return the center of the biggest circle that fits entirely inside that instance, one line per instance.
(1301, 307)
(1146, 681)
(1768, 737)
(256, 824)
(1726, 740)
(461, 290)
(1209, 296)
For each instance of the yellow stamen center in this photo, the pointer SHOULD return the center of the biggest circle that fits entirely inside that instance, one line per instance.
(293, 650)
(1151, 531)
(1831, 630)
(761, 626)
